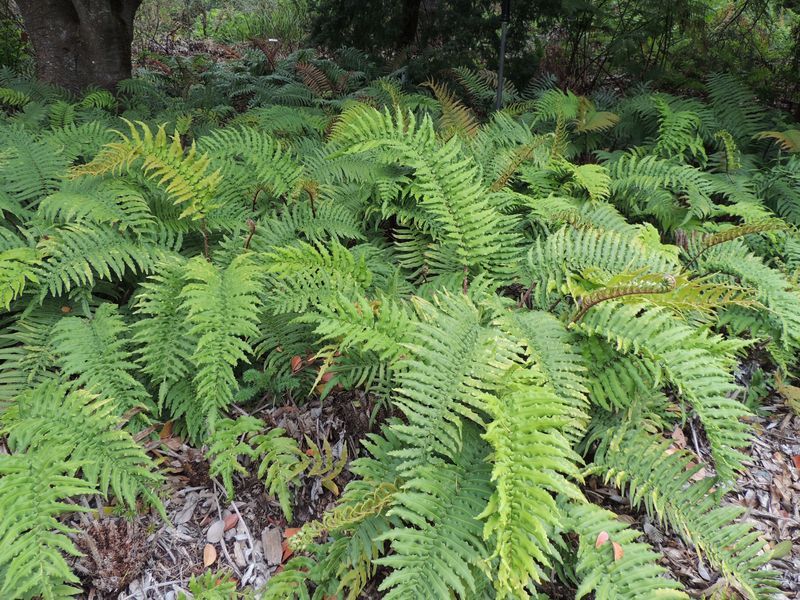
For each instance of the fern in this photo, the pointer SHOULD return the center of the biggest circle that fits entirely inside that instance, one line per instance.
(94, 352)
(87, 429)
(634, 575)
(662, 483)
(221, 305)
(32, 490)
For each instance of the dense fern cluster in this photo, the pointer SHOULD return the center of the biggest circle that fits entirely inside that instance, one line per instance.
(537, 296)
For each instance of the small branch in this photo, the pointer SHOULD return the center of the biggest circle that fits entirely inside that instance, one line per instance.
(251, 225)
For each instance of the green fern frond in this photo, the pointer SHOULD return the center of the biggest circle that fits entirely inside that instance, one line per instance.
(222, 307)
(184, 175)
(635, 575)
(33, 487)
(663, 483)
(88, 429)
(698, 364)
(532, 462)
(227, 444)
(438, 550)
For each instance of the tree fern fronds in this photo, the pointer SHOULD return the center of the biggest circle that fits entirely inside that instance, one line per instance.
(454, 359)
(436, 554)
(32, 489)
(636, 575)
(164, 344)
(222, 307)
(698, 364)
(32, 168)
(111, 202)
(532, 462)
(663, 483)
(95, 351)
(89, 430)
(17, 268)
(301, 275)
(227, 444)
(185, 176)
(77, 255)
(456, 119)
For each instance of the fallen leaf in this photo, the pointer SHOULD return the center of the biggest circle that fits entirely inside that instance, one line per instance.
(297, 363)
(209, 555)
(271, 540)
(290, 531)
(602, 538)
(215, 532)
(679, 437)
(286, 552)
(230, 521)
(796, 461)
(166, 431)
(238, 555)
(618, 551)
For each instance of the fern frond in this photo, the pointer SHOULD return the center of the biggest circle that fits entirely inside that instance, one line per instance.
(222, 307)
(436, 553)
(698, 364)
(88, 429)
(95, 352)
(33, 488)
(532, 462)
(662, 482)
(184, 175)
(636, 575)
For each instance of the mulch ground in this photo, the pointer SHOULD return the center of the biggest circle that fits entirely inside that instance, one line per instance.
(148, 559)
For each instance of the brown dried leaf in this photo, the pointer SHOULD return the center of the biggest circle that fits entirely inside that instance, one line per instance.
(618, 551)
(297, 363)
(230, 521)
(209, 555)
(602, 538)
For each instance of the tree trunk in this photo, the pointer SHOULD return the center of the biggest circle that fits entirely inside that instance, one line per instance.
(81, 43)
(408, 33)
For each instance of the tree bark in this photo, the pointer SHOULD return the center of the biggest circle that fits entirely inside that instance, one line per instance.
(408, 33)
(81, 43)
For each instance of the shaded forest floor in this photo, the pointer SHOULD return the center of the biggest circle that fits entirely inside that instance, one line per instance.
(148, 559)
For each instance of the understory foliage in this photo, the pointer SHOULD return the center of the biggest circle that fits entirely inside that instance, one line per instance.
(535, 297)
